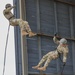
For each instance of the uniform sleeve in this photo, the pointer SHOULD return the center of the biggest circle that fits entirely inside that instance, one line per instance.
(55, 40)
(8, 9)
(65, 57)
(65, 54)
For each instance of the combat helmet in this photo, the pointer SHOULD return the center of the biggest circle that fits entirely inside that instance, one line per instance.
(7, 5)
(63, 41)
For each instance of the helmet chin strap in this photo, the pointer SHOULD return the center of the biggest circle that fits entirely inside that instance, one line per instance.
(63, 44)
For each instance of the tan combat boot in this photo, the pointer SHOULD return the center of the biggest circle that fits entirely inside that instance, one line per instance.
(42, 68)
(24, 33)
(31, 34)
(35, 67)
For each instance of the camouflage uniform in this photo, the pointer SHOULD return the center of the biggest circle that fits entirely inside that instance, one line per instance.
(15, 22)
(48, 57)
(62, 48)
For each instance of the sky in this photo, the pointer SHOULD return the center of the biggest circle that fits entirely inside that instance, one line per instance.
(10, 68)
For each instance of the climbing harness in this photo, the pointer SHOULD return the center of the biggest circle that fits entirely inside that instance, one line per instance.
(5, 50)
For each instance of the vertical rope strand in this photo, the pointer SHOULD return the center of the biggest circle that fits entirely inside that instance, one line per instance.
(5, 50)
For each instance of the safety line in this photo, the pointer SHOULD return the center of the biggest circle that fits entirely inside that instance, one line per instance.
(5, 50)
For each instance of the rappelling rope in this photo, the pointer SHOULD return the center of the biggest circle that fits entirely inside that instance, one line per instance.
(5, 50)
(62, 69)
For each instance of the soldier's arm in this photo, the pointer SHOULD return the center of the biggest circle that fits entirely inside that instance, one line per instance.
(55, 40)
(10, 8)
(65, 57)
(65, 54)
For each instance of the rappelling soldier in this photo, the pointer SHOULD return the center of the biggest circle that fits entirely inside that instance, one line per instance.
(24, 26)
(61, 49)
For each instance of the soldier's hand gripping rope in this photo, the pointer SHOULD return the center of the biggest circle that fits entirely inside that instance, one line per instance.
(55, 34)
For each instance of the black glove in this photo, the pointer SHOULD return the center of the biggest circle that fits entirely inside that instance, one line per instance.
(55, 34)
(64, 63)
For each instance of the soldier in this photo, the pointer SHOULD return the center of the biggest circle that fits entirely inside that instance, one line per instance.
(61, 49)
(24, 26)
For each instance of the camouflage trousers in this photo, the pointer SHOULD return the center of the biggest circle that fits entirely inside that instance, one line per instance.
(23, 24)
(48, 57)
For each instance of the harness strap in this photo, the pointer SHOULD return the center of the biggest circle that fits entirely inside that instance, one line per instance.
(11, 17)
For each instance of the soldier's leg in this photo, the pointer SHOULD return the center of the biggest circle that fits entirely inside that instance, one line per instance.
(28, 29)
(21, 23)
(44, 58)
(22, 26)
(46, 64)
(25, 28)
